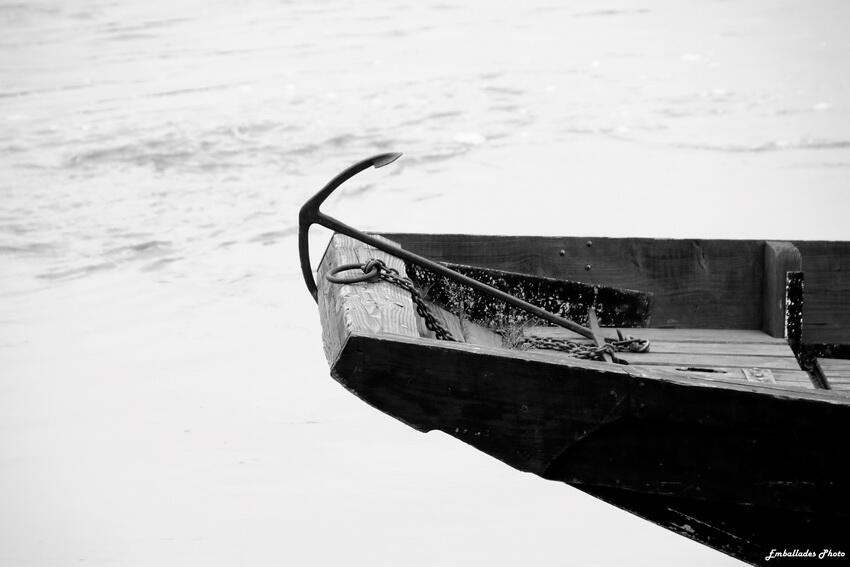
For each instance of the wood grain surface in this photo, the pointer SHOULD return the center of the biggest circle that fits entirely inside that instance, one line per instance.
(779, 259)
(375, 306)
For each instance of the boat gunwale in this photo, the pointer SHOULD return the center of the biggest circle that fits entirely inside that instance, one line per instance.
(635, 371)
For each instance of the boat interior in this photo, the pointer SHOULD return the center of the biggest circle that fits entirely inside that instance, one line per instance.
(768, 313)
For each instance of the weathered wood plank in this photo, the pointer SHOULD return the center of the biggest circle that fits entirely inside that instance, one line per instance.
(781, 377)
(714, 350)
(779, 259)
(449, 321)
(835, 366)
(671, 335)
(375, 306)
(711, 360)
(478, 335)
(462, 330)
(826, 312)
(753, 349)
(697, 283)
(836, 373)
(796, 384)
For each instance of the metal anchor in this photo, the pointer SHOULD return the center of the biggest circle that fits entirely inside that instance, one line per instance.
(311, 214)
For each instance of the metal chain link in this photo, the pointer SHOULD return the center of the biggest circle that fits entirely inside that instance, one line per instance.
(585, 351)
(392, 276)
(377, 268)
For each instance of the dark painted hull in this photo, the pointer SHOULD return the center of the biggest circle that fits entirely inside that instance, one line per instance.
(742, 469)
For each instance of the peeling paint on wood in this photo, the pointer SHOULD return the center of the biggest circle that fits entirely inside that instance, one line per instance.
(615, 307)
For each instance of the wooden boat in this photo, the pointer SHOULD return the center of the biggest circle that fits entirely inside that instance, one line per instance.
(731, 430)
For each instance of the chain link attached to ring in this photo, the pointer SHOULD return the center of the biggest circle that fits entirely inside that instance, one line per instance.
(378, 269)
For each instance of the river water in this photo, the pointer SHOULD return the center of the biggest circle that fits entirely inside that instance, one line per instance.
(164, 394)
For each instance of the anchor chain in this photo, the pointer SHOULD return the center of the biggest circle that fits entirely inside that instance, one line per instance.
(377, 269)
(585, 351)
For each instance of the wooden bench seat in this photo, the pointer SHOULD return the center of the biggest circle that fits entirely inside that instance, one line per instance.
(836, 372)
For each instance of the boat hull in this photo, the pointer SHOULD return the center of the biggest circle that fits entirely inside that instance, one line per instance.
(740, 468)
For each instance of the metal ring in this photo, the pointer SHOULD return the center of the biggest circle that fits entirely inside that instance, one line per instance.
(371, 274)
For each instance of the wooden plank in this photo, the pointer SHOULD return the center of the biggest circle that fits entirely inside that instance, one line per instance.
(711, 360)
(449, 320)
(478, 335)
(755, 349)
(462, 330)
(835, 366)
(671, 335)
(696, 283)
(836, 373)
(779, 259)
(802, 384)
(826, 311)
(782, 377)
(375, 306)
